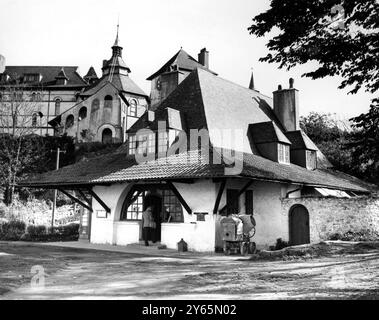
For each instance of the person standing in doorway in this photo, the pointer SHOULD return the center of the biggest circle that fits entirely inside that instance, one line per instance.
(148, 225)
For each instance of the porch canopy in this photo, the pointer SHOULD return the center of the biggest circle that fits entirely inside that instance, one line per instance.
(119, 167)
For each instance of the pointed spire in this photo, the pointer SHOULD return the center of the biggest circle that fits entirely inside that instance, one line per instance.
(116, 41)
(251, 85)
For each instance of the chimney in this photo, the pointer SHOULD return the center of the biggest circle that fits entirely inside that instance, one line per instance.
(2, 63)
(203, 57)
(286, 106)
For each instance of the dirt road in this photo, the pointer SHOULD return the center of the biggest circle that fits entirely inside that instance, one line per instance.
(88, 274)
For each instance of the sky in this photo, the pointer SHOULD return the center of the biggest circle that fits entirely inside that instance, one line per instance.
(81, 33)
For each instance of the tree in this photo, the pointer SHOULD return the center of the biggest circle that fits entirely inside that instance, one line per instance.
(331, 138)
(342, 37)
(19, 115)
(365, 143)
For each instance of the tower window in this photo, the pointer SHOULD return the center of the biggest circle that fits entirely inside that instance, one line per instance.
(57, 106)
(69, 121)
(132, 110)
(83, 113)
(108, 101)
(95, 105)
(34, 120)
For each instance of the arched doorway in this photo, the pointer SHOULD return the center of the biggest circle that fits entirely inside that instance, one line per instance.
(299, 225)
(106, 136)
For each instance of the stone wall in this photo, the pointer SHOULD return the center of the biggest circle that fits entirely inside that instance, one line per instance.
(337, 215)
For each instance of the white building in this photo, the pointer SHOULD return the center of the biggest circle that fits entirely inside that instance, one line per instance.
(191, 190)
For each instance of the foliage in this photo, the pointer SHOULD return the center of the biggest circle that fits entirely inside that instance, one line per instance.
(365, 142)
(280, 244)
(331, 139)
(68, 232)
(341, 36)
(12, 230)
(362, 235)
(29, 155)
(36, 230)
(89, 149)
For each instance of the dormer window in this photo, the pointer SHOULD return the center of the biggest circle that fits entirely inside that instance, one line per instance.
(31, 77)
(132, 144)
(162, 142)
(303, 150)
(283, 153)
(146, 144)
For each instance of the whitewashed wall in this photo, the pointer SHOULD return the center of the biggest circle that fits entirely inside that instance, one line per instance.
(203, 236)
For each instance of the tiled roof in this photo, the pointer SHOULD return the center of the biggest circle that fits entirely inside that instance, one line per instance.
(300, 140)
(49, 73)
(91, 73)
(118, 167)
(116, 61)
(208, 101)
(182, 60)
(120, 81)
(264, 132)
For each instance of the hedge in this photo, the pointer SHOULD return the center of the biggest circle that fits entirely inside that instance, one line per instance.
(16, 230)
(12, 230)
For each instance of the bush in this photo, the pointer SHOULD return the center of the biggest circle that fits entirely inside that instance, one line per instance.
(69, 232)
(12, 230)
(363, 235)
(35, 231)
(280, 244)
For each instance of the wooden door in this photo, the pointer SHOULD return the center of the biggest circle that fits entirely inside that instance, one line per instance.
(299, 225)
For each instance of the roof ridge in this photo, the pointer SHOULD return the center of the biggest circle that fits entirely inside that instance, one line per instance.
(234, 83)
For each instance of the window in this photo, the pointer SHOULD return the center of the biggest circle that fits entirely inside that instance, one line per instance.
(69, 121)
(311, 159)
(283, 153)
(132, 144)
(57, 106)
(146, 144)
(33, 97)
(108, 101)
(34, 120)
(162, 142)
(134, 211)
(31, 77)
(249, 202)
(17, 96)
(82, 113)
(172, 209)
(232, 203)
(132, 110)
(95, 105)
(158, 84)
